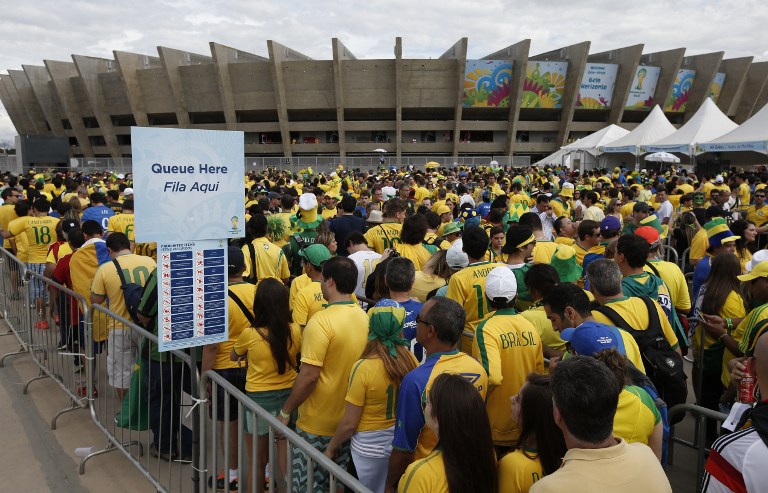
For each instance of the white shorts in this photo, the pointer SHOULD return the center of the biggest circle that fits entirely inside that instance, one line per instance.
(122, 347)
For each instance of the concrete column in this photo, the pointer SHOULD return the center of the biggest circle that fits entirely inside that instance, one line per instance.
(61, 73)
(627, 59)
(517, 54)
(277, 55)
(40, 82)
(340, 53)
(222, 57)
(172, 60)
(576, 55)
(29, 102)
(399, 98)
(18, 104)
(706, 67)
(735, 80)
(458, 52)
(89, 69)
(129, 64)
(757, 76)
(669, 61)
(10, 103)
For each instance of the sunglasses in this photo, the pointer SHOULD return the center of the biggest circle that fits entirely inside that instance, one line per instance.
(420, 320)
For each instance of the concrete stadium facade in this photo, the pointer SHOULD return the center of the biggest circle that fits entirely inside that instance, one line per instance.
(290, 105)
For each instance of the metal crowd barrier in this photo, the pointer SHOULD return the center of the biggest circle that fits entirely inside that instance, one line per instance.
(279, 477)
(55, 345)
(162, 418)
(702, 415)
(14, 302)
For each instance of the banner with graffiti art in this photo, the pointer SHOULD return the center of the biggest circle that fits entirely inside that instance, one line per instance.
(717, 86)
(597, 86)
(544, 84)
(678, 98)
(643, 87)
(486, 83)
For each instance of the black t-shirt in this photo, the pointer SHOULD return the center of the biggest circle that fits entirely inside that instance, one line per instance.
(342, 226)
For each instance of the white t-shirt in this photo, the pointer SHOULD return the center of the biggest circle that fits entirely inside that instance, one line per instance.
(664, 211)
(594, 213)
(366, 261)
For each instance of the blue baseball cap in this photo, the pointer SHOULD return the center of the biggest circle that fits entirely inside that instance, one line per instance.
(590, 338)
(610, 223)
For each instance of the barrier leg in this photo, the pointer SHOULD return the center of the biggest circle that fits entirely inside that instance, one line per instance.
(73, 406)
(22, 350)
(109, 448)
(39, 376)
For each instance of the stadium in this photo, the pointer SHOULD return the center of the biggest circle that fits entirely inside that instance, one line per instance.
(508, 103)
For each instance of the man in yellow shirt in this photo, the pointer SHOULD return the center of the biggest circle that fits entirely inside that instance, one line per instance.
(309, 299)
(387, 233)
(7, 213)
(757, 213)
(332, 341)
(668, 272)
(216, 356)
(262, 258)
(509, 348)
(123, 343)
(123, 222)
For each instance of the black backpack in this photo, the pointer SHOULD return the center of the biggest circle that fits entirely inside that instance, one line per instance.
(131, 293)
(662, 364)
(252, 276)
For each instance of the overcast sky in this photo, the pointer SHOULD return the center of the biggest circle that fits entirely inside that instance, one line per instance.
(31, 32)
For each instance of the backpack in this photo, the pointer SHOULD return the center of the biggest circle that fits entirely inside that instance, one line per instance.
(131, 293)
(252, 278)
(663, 365)
(641, 380)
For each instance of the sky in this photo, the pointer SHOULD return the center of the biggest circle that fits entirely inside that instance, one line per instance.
(31, 32)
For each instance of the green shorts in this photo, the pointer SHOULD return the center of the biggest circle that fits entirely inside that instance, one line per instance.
(271, 401)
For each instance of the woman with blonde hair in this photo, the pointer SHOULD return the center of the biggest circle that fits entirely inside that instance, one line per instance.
(75, 209)
(327, 238)
(614, 209)
(434, 275)
(369, 417)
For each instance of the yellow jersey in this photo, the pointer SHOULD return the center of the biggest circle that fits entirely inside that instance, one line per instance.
(426, 475)
(549, 336)
(333, 340)
(543, 251)
(383, 236)
(699, 245)
(757, 216)
(371, 388)
(509, 348)
(634, 312)
(564, 240)
(270, 260)
(636, 416)
(518, 470)
(54, 256)
(122, 223)
(40, 232)
(106, 282)
(146, 250)
(296, 285)
(308, 301)
(7, 214)
(674, 278)
(417, 254)
(262, 372)
(238, 322)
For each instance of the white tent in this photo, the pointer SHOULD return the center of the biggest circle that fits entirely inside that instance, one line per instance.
(591, 142)
(654, 127)
(708, 123)
(752, 135)
(559, 157)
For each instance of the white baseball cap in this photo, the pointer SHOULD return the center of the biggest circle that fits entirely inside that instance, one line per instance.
(128, 191)
(455, 257)
(500, 284)
(719, 179)
(758, 257)
(466, 199)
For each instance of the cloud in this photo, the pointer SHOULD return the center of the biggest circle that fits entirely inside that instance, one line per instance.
(31, 32)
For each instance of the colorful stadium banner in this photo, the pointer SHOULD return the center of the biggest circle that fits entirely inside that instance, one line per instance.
(597, 86)
(188, 184)
(678, 98)
(192, 294)
(486, 83)
(544, 84)
(643, 87)
(717, 86)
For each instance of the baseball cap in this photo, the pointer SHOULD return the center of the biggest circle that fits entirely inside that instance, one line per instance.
(316, 254)
(455, 257)
(375, 217)
(451, 228)
(649, 234)
(759, 270)
(501, 285)
(758, 257)
(128, 191)
(67, 224)
(443, 209)
(719, 179)
(236, 260)
(275, 195)
(610, 223)
(590, 338)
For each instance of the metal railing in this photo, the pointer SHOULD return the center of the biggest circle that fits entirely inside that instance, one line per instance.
(13, 302)
(702, 415)
(279, 470)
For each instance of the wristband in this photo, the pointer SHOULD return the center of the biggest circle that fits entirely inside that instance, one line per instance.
(729, 322)
(283, 414)
(722, 335)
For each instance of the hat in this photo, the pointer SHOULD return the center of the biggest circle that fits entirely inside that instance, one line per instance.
(128, 191)
(466, 199)
(719, 233)
(719, 179)
(565, 263)
(641, 207)
(451, 227)
(653, 222)
(316, 254)
(274, 195)
(759, 270)
(375, 217)
(442, 209)
(567, 190)
(501, 285)
(649, 233)
(758, 257)
(385, 323)
(455, 256)
(518, 236)
(120, 176)
(590, 338)
(235, 260)
(306, 217)
(610, 223)
(67, 224)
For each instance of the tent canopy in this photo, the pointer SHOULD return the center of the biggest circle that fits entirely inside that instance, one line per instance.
(555, 158)
(708, 123)
(752, 135)
(591, 142)
(654, 127)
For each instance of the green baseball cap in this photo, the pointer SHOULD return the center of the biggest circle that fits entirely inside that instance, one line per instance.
(315, 254)
(451, 228)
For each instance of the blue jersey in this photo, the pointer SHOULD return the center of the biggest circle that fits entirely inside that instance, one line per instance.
(483, 209)
(412, 309)
(98, 213)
